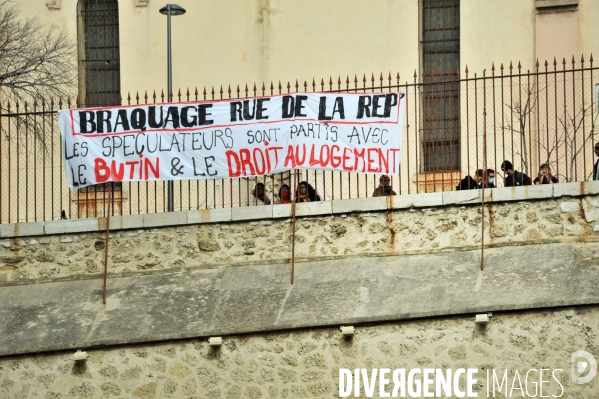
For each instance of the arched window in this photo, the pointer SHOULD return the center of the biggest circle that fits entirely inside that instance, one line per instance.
(99, 61)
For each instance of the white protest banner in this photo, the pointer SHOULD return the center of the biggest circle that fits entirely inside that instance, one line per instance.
(232, 138)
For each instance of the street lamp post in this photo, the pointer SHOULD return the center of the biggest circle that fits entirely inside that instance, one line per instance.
(168, 10)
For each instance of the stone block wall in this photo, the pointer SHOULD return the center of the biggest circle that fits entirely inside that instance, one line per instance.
(397, 231)
(306, 363)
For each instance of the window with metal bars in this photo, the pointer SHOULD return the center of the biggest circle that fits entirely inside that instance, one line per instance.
(440, 46)
(99, 29)
(99, 57)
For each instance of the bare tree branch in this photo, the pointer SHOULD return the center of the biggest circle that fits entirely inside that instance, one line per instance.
(37, 63)
(35, 60)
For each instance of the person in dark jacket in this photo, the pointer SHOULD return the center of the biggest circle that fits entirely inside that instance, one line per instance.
(384, 189)
(596, 167)
(469, 183)
(513, 177)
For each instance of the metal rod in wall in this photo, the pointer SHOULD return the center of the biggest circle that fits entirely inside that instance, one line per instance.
(293, 227)
(483, 183)
(106, 244)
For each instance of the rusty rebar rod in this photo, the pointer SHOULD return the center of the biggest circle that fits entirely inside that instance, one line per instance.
(293, 228)
(106, 245)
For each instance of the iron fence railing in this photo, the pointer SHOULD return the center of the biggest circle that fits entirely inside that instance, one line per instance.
(547, 115)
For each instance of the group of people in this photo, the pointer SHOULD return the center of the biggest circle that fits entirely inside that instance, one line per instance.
(482, 179)
(304, 193)
(486, 178)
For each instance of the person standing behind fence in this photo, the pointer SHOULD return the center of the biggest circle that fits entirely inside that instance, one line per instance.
(485, 179)
(258, 196)
(384, 187)
(596, 167)
(545, 176)
(480, 179)
(513, 177)
(284, 194)
(306, 193)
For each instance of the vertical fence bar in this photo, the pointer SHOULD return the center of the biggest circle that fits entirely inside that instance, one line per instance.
(18, 148)
(555, 115)
(484, 175)
(493, 77)
(35, 185)
(575, 125)
(418, 127)
(565, 121)
(529, 101)
(583, 105)
(592, 105)
(467, 95)
(476, 119)
(521, 119)
(2, 190)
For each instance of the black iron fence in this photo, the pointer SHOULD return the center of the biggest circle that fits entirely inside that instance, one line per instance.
(455, 123)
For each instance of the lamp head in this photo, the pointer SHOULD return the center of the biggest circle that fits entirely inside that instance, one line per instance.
(175, 10)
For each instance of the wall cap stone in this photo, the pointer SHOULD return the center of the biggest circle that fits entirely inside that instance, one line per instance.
(426, 200)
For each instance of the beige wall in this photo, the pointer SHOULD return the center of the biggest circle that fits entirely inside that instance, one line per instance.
(589, 28)
(496, 31)
(237, 41)
(557, 35)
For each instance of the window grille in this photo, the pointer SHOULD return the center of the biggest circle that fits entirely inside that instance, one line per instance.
(101, 52)
(440, 93)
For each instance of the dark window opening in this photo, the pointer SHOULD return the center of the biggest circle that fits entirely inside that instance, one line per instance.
(101, 62)
(440, 90)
